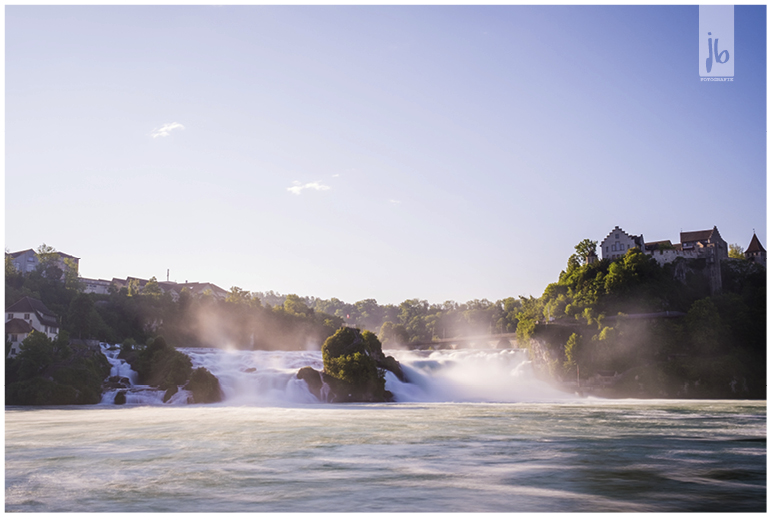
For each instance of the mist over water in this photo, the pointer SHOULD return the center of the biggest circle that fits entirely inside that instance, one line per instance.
(503, 376)
(269, 377)
(259, 377)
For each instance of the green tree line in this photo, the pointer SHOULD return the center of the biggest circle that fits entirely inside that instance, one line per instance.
(591, 314)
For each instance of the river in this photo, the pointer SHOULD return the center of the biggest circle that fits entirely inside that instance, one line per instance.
(473, 431)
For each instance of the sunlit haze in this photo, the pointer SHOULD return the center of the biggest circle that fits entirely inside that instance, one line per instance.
(441, 153)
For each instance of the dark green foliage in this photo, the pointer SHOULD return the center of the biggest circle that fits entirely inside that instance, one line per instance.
(81, 316)
(204, 386)
(395, 334)
(36, 355)
(358, 369)
(50, 373)
(723, 377)
(39, 391)
(349, 357)
(572, 351)
(345, 341)
(85, 377)
(161, 365)
(601, 307)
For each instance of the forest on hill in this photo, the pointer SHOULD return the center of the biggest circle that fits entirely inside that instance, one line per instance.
(599, 317)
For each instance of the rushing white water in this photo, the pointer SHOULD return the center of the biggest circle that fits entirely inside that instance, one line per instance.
(270, 377)
(135, 394)
(258, 376)
(502, 376)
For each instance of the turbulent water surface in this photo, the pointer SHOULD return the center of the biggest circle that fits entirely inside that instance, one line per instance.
(473, 431)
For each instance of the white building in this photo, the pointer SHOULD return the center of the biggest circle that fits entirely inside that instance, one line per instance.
(618, 242)
(91, 285)
(24, 316)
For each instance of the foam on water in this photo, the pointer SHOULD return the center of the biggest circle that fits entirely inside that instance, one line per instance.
(270, 377)
(469, 376)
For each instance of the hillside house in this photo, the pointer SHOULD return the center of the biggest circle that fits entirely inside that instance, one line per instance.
(26, 315)
(28, 260)
(91, 285)
(175, 289)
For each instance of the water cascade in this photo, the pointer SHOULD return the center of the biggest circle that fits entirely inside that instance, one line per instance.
(262, 377)
(469, 375)
(124, 380)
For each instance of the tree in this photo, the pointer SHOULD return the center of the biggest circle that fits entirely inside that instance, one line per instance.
(36, 354)
(394, 333)
(49, 262)
(736, 251)
(133, 287)
(706, 330)
(80, 315)
(572, 351)
(295, 305)
(71, 278)
(152, 288)
(584, 249)
(239, 296)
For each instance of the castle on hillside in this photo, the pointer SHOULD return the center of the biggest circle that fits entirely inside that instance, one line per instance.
(707, 244)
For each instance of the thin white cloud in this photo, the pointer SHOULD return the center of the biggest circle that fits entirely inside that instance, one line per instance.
(165, 130)
(394, 201)
(297, 188)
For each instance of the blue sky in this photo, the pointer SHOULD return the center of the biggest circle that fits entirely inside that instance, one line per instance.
(441, 153)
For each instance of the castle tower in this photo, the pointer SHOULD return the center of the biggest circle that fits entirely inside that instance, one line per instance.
(755, 252)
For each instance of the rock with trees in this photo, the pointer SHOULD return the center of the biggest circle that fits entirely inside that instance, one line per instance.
(354, 369)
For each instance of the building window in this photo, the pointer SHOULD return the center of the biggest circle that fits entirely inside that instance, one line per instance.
(26, 316)
(617, 236)
(10, 315)
(622, 247)
(14, 337)
(13, 350)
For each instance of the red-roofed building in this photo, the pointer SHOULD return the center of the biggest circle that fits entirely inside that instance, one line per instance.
(706, 244)
(24, 316)
(755, 252)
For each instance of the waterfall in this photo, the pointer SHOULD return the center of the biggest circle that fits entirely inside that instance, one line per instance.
(259, 377)
(469, 375)
(119, 367)
(124, 378)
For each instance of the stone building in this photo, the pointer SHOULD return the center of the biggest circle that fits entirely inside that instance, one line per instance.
(706, 244)
(755, 252)
(618, 242)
